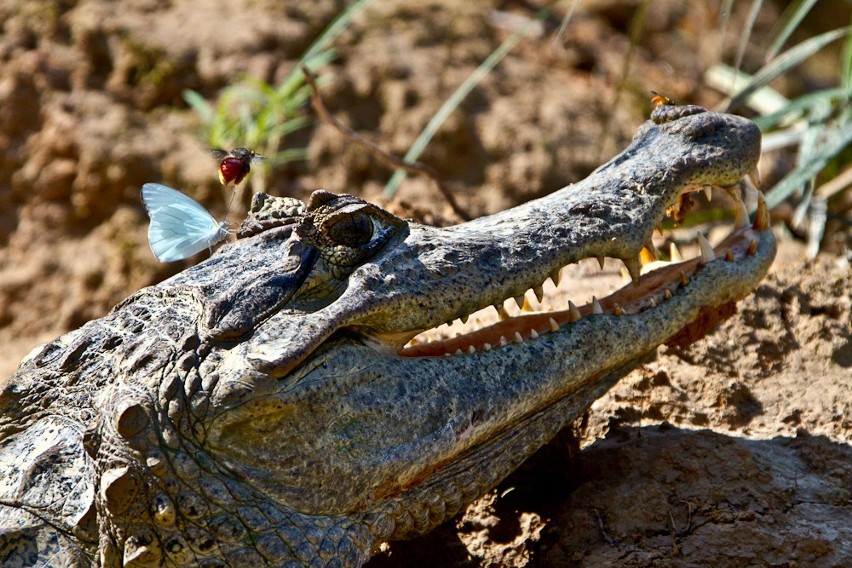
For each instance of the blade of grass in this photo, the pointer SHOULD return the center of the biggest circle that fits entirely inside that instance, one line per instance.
(332, 31)
(786, 25)
(727, 5)
(802, 104)
(729, 81)
(846, 63)
(637, 27)
(836, 141)
(749, 27)
(455, 100)
(786, 61)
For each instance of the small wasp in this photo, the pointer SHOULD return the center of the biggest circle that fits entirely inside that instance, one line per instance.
(235, 165)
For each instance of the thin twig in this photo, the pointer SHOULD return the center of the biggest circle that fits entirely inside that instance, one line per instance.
(381, 155)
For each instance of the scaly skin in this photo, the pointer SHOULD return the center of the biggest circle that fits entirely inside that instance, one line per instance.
(260, 408)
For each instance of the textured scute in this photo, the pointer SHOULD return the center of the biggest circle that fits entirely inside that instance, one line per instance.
(46, 474)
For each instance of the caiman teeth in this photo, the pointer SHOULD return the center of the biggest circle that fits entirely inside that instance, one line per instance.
(648, 254)
(674, 253)
(707, 253)
(573, 313)
(634, 267)
(761, 218)
(708, 193)
(556, 277)
(520, 319)
(740, 214)
(754, 176)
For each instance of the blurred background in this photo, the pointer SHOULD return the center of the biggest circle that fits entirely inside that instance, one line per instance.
(98, 97)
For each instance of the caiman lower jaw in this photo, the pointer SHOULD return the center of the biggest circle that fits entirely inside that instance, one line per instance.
(659, 282)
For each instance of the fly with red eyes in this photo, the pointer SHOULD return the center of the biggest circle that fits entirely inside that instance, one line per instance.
(235, 165)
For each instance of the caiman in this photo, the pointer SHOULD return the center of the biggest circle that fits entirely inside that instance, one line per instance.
(267, 406)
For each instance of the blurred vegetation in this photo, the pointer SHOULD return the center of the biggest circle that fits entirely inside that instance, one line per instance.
(257, 115)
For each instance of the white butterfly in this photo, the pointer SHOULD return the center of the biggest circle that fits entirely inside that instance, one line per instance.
(180, 226)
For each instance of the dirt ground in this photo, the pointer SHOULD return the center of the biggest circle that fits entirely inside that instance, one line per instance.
(733, 452)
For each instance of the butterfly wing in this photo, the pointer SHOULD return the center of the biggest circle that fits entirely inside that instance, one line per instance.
(180, 226)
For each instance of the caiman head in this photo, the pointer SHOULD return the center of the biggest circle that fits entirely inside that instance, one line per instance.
(269, 405)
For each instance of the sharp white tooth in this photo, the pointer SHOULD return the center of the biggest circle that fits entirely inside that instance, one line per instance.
(674, 253)
(683, 279)
(708, 193)
(458, 351)
(501, 312)
(527, 307)
(652, 302)
(667, 294)
(533, 334)
(761, 218)
(573, 311)
(486, 347)
(754, 176)
(634, 267)
(596, 306)
(518, 337)
(556, 277)
(414, 341)
(553, 325)
(539, 292)
(600, 261)
(471, 349)
(740, 214)
(503, 342)
(707, 252)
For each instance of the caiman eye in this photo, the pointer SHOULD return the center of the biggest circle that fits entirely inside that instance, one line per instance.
(346, 230)
(351, 230)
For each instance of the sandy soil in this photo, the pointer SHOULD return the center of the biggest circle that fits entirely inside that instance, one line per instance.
(733, 452)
